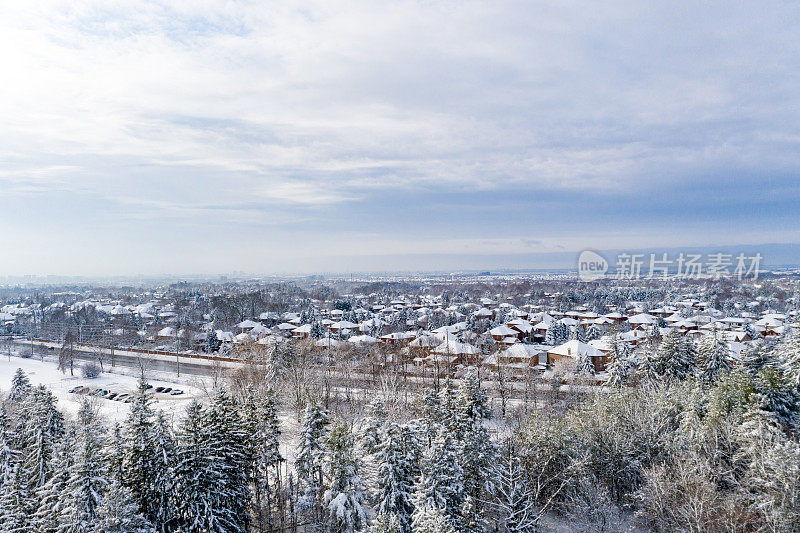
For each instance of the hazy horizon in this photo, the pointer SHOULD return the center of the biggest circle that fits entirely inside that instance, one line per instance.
(773, 256)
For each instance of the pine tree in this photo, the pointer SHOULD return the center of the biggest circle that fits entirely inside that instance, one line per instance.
(211, 471)
(593, 332)
(310, 456)
(51, 498)
(369, 438)
(16, 503)
(263, 427)
(622, 365)
(119, 513)
(556, 333)
(577, 332)
(472, 402)
(317, 330)
(779, 396)
(40, 427)
(191, 466)
(281, 356)
(673, 359)
(88, 479)
(770, 466)
(344, 498)
(228, 441)
(440, 490)
(162, 491)
(138, 454)
(512, 497)
(584, 365)
(385, 524)
(788, 352)
(431, 519)
(758, 358)
(475, 449)
(20, 386)
(147, 460)
(714, 357)
(449, 415)
(8, 455)
(213, 343)
(396, 474)
(432, 416)
(114, 454)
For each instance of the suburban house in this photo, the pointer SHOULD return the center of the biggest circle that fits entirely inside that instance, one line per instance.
(575, 349)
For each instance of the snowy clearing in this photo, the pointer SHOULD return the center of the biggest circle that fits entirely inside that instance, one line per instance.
(46, 373)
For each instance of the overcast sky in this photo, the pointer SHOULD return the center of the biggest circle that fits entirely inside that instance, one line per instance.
(206, 137)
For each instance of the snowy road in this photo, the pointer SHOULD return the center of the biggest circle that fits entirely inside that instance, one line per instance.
(128, 359)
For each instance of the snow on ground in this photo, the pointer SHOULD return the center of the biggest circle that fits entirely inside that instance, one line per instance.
(46, 373)
(124, 380)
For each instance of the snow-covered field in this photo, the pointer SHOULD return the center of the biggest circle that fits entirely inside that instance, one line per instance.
(47, 374)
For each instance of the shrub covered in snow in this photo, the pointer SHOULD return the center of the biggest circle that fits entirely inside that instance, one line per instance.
(90, 370)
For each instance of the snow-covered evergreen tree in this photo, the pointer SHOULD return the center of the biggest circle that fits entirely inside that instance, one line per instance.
(114, 454)
(476, 450)
(556, 333)
(385, 524)
(190, 471)
(119, 513)
(397, 472)
(431, 519)
(310, 456)
(88, 480)
(788, 352)
(20, 386)
(714, 357)
(472, 404)
(213, 343)
(317, 330)
(577, 332)
(16, 503)
(757, 358)
(40, 427)
(440, 490)
(584, 365)
(344, 498)
(230, 457)
(162, 506)
(673, 359)
(512, 498)
(138, 453)
(778, 394)
(622, 365)
(280, 357)
(52, 496)
(770, 466)
(263, 427)
(369, 437)
(211, 470)
(8, 455)
(593, 332)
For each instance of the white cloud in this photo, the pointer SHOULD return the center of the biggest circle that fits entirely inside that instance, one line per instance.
(304, 193)
(304, 113)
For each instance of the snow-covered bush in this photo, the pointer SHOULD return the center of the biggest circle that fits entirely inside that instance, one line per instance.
(90, 370)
